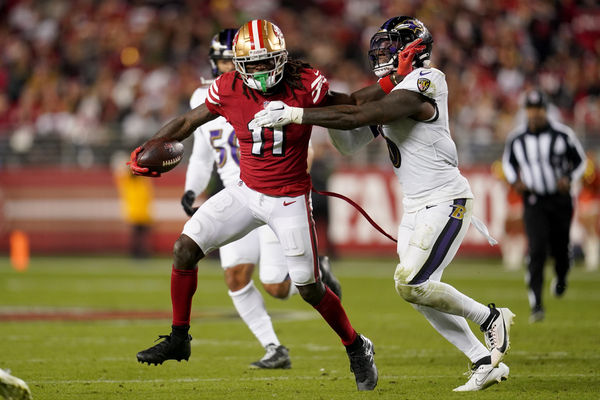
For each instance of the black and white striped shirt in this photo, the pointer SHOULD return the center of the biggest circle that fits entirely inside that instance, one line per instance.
(541, 159)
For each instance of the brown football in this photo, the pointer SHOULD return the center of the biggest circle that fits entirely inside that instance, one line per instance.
(160, 156)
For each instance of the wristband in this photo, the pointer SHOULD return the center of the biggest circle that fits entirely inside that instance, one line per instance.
(387, 83)
(296, 114)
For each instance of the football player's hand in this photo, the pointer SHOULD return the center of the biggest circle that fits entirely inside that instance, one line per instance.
(187, 201)
(136, 169)
(277, 113)
(406, 56)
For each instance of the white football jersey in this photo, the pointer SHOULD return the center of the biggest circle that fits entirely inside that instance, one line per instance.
(423, 153)
(215, 143)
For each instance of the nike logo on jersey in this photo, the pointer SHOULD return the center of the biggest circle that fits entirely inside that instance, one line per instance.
(428, 207)
(424, 73)
(287, 203)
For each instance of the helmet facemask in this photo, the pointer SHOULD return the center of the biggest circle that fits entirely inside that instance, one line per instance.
(383, 53)
(265, 79)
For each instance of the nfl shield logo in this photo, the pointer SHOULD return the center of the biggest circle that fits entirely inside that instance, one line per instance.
(423, 84)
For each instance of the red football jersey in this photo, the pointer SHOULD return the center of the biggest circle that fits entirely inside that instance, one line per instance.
(272, 160)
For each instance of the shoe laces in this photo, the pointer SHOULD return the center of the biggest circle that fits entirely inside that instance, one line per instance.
(472, 369)
(492, 336)
(491, 333)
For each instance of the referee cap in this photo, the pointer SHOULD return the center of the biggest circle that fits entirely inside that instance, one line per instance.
(536, 98)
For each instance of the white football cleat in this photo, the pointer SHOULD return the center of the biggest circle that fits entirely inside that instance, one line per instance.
(13, 388)
(483, 377)
(497, 337)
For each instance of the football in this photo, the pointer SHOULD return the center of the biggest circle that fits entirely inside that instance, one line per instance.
(160, 156)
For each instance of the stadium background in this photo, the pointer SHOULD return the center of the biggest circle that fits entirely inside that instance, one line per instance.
(82, 83)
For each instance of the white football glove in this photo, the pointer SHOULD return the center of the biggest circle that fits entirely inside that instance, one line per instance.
(277, 113)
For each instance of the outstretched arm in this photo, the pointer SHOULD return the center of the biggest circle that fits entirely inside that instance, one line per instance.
(369, 93)
(398, 104)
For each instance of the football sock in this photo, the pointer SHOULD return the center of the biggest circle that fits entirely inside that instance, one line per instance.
(250, 306)
(357, 344)
(183, 287)
(482, 361)
(456, 330)
(491, 318)
(180, 330)
(332, 311)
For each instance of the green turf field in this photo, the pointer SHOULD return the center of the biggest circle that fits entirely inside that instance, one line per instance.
(93, 315)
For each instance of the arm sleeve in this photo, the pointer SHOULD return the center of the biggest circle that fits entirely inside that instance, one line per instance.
(348, 142)
(200, 165)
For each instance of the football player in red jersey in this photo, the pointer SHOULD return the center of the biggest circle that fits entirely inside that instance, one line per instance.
(274, 188)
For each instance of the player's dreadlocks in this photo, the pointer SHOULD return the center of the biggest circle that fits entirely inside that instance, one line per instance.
(292, 72)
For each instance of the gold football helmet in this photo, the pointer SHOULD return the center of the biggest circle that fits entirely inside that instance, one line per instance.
(260, 40)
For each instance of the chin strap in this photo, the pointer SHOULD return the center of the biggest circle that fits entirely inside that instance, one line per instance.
(359, 209)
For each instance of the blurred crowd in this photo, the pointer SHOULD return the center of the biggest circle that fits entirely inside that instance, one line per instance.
(80, 79)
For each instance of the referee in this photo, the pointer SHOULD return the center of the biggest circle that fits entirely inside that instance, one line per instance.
(540, 161)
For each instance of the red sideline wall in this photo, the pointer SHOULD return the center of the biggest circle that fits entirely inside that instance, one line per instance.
(73, 211)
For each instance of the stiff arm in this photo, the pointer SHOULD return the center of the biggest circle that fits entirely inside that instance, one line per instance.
(398, 104)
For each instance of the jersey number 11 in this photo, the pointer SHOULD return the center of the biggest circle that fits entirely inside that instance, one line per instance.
(258, 141)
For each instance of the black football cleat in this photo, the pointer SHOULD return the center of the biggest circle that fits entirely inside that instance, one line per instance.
(171, 348)
(362, 363)
(328, 278)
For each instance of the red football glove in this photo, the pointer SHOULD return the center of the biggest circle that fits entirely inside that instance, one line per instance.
(405, 57)
(136, 169)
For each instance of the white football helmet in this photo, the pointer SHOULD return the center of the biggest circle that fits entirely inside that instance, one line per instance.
(260, 40)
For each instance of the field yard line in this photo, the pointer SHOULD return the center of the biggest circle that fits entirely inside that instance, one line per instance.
(274, 378)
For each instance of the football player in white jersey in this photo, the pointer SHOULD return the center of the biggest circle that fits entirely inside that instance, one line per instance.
(215, 144)
(411, 114)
